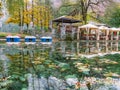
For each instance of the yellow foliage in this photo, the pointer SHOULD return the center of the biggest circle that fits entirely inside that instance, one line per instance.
(39, 15)
(9, 20)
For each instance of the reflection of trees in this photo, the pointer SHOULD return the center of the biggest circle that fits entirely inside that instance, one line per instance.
(36, 60)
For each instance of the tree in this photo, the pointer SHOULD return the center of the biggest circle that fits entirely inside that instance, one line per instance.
(26, 12)
(112, 15)
(84, 6)
(15, 8)
(0, 9)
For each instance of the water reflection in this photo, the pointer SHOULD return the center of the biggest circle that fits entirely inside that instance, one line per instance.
(78, 48)
(87, 48)
(3, 64)
(37, 60)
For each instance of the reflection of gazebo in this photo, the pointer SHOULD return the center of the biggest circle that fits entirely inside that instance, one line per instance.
(65, 21)
(88, 28)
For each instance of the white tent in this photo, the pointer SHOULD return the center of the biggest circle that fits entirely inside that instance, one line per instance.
(91, 26)
(87, 27)
(114, 29)
(103, 28)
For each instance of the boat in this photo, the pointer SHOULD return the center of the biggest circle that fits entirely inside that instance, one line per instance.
(12, 39)
(30, 39)
(46, 40)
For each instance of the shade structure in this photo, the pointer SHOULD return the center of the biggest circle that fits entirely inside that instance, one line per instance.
(114, 29)
(64, 19)
(91, 26)
(88, 28)
(104, 36)
(103, 28)
(114, 33)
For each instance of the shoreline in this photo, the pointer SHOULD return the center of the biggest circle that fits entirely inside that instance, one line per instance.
(56, 40)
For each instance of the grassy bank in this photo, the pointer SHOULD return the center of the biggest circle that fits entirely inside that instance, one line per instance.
(4, 34)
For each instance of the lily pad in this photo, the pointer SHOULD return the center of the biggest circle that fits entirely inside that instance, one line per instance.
(70, 76)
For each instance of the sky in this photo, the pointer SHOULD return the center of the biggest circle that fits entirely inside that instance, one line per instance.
(56, 3)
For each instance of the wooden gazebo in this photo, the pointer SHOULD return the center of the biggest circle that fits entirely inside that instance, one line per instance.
(103, 33)
(65, 20)
(114, 32)
(87, 28)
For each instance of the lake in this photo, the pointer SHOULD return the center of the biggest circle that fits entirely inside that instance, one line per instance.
(45, 67)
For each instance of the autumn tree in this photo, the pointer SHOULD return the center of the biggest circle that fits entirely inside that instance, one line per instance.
(25, 12)
(1, 9)
(82, 7)
(15, 9)
(0, 5)
(112, 15)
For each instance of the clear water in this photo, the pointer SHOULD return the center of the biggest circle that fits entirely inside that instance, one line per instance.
(58, 60)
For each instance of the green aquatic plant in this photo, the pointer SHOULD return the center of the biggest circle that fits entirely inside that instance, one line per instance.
(41, 62)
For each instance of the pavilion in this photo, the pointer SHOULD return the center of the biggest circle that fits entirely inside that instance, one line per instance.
(66, 25)
(87, 31)
(103, 33)
(92, 32)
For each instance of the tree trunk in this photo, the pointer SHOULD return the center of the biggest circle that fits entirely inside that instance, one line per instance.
(27, 15)
(20, 17)
(33, 12)
(84, 17)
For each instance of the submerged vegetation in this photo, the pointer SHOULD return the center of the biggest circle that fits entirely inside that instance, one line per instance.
(43, 63)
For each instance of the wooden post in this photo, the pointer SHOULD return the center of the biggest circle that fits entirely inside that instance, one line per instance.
(106, 46)
(111, 35)
(98, 47)
(78, 48)
(62, 45)
(78, 35)
(117, 46)
(107, 34)
(73, 33)
(111, 45)
(87, 33)
(117, 35)
(98, 35)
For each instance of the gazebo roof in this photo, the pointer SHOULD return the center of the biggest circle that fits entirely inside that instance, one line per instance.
(89, 26)
(64, 19)
(114, 29)
(103, 28)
